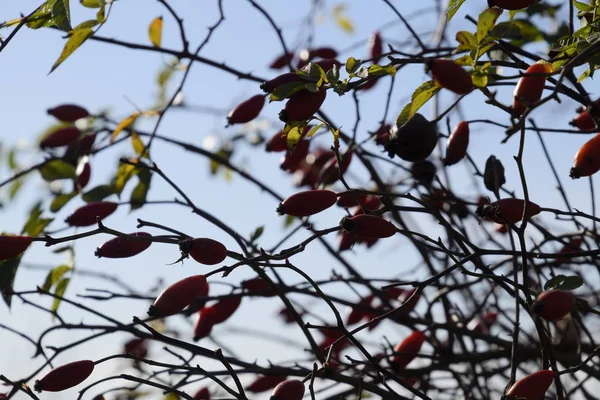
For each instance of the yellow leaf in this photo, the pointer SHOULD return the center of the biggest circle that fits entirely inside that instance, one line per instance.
(171, 396)
(136, 142)
(155, 31)
(126, 123)
(345, 24)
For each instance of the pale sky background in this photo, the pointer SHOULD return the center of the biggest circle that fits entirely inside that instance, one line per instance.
(100, 75)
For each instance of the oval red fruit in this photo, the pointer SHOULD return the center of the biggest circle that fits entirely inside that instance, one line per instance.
(68, 112)
(369, 226)
(83, 175)
(60, 137)
(204, 323)
(507, 210)
(554, 304)
(258, 287)
(81, 146)
(247, 110)
(123, 247)
(309, 202)
(451, 76)
(137, 347)
(202, 394)
(302, 105)
(347, 200)
(346, 241)
(292, 389)
(178, 296)
(409, 302)
(529, 88)
(65, 377)
(264, 383)
(511, 4)
(86, 215)
(12, 246)
(331, 172)
(407, 350)
(587, 159)
(533, 386)
(357, 312)
(322, 52)
(225, 308)
(282, 61)
(277, 143)
(206, 251)
(584, 121)
(292, 159)
(376, 47)
(457, 144)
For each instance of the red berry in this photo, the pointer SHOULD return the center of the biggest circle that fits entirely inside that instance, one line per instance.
(282, 61)
(346, 241)
(68, 112)
(322, 52)
(277, 143)
(587, 159)
(533, 386)
(554, 304)
(451, 76)
(279, 80)
(225, 308)
(530, 88)
(511, 4)
(65, 377)
(86, 215)
(508, 209)
(60, 137)
(357, 313)
(347, 200)
(371, 203)
(136, 347)
(81, 146)
(303, 105)
(407, 350)
(500, 228)
(205, 251)
(310, 202)
(123, 247)
(457, 144)
(258, 287)
(202, 394)
(286, 315)
(574, 245)
(204, 323)
(382, 136)
(330, 172)
(83, 173)
(584, 121)
(292, 159)
(12, 246)
(178, 296)
(264, 383)
(247, 110)
(292, 389)
(376, 47)
(370, 226)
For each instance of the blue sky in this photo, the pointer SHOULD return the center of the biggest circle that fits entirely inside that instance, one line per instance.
(100, 75)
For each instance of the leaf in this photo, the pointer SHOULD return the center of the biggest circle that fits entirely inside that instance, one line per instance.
(289, 220)
(465, 60)
(486, 21)
(493, 176)
(257, 233)
(563, 282)
(34, 227)
(453, 8)
(55, 275)
(155, 31)
(284, 91)
(138, 145)
(57, 169)
(380, 70)
(90, 23)
(126, 123)
(98, 193)
(582, 6)
(60, 200)
(75, 40)
(352, 64)
(339, 14)
(138, 196)
(314, 130)
(294, 133)
(420, 96)
(8, 271)
(61, 15)
(101, 14)
(60, 289)
(124, 173)
(467, 41)
(91, 3)
(171, 396)
(42, 17)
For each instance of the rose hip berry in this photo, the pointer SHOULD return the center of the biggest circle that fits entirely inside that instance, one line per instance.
(530, 87)
(451, 76)
(264, 383)
(178, 296)
(376, 47)
(123, 247)
(554, 304)
(457, 144)
(282, 61)
(225, 308)
(12, 246)
(247, 110)
(310, 202)
(60, 137)
(533, 386)
(204, 250)
(370, 226)
(204, 323)
(407, 350)
(303, 105)
(68, 112)
(86, 215)
(202, 394)
(292, 389)
(509, 209)
(587, 159)
(65, 377)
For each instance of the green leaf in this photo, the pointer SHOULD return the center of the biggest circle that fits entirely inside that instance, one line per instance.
(467, 41)
(36, 225)
(333, 75)
(485, 23)
(465, 60)
(380, 70)
(311, 87)
(61, 15)
(352, 64)
(90, 23)
(60, 200)
(257, 233)
(582, 6)
(453, 8)
(60, 289)
(98, 193)
(155, 31)
(289, 220)
(57, 169)
(138, 196)
(12, 160)
(124, 173)
(564, 282)
(479, 79)
(314, 130)
(138, 145)
(420, 96)
(91, 3)
(101, 14)
(43, 16)
(8, 271)
(75, 40)
(55, 275)
(284, 91)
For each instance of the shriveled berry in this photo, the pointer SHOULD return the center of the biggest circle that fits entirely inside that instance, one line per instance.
(451, 76)
(86, 215)
(68, 112)
(204, 250)
(12, 246)
(533, 386)
(123, 247)
(247, 110)
(509, 209)
(310, 202)
(587, 159)
(65, 377)
(413, 141)
(178, 296)
(264, 383)
(554, 304)
(303, 105)
(60, 137)
(511, 4)
(407, 350)
(292, 389)
(370, 226)
(530, 87)
(225, 308)
(204, 323)
(457, 144)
